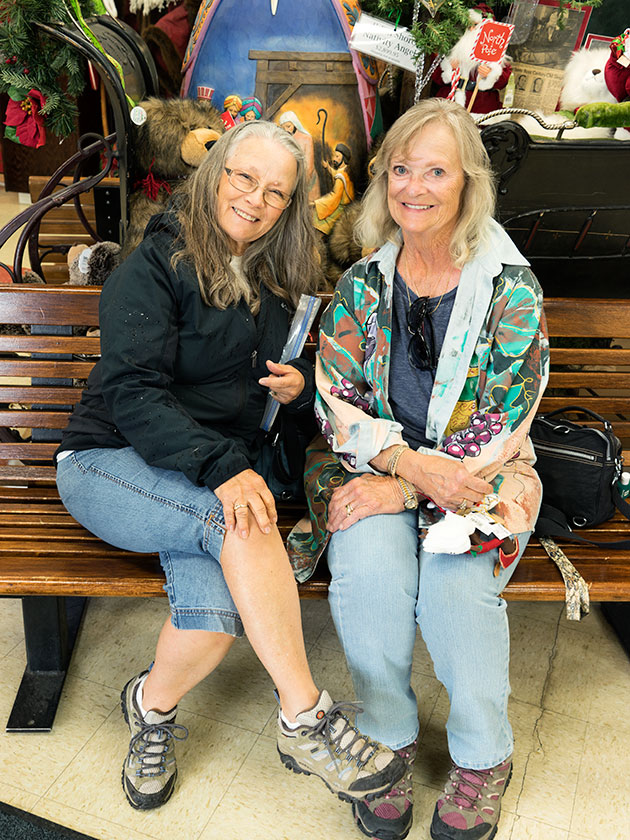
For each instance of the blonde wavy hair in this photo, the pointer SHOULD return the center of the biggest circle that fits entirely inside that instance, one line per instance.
(375, 225)
(284, 259)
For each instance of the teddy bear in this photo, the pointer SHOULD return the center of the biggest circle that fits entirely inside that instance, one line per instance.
(168, 145)
(92, 265)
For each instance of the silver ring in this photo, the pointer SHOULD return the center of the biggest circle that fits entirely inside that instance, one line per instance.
(349, 509)
(239, 505)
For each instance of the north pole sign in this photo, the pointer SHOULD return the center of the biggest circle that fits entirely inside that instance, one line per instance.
(491, 42)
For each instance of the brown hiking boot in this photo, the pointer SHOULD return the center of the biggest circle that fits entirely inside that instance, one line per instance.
(327, 745)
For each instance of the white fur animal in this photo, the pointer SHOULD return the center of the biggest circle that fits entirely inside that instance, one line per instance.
(584, 79)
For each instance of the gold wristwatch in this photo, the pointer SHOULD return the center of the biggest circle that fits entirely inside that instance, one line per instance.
(410, 498)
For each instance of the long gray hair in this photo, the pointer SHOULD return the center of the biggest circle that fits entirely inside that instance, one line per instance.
(284, 259)
(375, 225)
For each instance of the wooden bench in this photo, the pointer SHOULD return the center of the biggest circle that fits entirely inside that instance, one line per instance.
(46, 556)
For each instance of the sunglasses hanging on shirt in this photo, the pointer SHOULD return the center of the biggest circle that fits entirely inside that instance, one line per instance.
(421, 351)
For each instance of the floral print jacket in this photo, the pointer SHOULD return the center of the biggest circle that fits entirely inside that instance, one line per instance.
(491, 374)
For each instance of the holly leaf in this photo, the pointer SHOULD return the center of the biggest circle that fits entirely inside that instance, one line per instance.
(16, 94)
(11, 134)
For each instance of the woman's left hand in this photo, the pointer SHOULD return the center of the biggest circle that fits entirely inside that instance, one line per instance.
(285, 382)
(364, 496)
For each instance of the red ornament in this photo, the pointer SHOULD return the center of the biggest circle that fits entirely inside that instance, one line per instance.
(25, 118)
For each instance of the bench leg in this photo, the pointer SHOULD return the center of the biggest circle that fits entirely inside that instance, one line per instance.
(618, 614)
(50, 628)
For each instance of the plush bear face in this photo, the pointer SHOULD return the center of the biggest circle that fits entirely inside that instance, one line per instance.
(172, 139)
(584, 79)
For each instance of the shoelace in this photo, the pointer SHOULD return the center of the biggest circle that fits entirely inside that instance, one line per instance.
(141, 741)
(461, 797)
(333, 716)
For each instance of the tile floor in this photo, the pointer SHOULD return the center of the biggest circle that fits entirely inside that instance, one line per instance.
(570, 690)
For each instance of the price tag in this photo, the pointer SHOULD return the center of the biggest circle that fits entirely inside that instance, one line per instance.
(500, 531)
(138, 115)
(381, 39)
(84, 257)
(482, 522)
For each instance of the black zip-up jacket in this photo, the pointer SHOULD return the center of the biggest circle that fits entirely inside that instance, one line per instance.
(177, 379)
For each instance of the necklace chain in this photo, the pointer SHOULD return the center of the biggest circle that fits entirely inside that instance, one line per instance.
(437, 285)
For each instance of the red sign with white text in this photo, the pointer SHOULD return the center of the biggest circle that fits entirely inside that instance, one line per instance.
(492, 41)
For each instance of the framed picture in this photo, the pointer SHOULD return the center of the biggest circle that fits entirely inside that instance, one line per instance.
(540, 60)
(593, 40)
(547, 46)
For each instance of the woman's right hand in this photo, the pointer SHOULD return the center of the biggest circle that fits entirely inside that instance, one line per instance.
(363, 496)
(245, 492)
(444, 480)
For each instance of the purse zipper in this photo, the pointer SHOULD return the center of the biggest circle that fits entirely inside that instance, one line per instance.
(559, 450)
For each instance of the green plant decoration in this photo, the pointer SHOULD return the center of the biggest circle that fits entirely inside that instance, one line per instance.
(42, 75)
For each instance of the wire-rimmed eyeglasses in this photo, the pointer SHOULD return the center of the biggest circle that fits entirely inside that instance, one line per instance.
(421, 350)
(248, 184)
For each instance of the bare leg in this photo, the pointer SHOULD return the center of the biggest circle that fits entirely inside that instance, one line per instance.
(182, 659)
(261, 582)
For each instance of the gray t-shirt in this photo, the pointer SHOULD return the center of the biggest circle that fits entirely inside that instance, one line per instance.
(410, 388)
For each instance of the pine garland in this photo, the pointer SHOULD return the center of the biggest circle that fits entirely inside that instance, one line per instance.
(31, 59)
(439, 34)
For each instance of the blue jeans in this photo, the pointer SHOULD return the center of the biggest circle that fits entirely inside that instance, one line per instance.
(116, 495)
(383, 584)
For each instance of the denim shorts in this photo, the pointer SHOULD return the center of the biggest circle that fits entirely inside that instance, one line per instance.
(117, 496)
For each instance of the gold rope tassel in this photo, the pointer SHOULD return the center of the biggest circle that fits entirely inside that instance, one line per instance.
(577, 596)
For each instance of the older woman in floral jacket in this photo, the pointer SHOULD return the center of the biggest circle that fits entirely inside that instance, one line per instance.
(433, 358)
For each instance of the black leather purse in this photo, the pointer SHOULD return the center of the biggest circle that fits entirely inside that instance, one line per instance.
(579, 467)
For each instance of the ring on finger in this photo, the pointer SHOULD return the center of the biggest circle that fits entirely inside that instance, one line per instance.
(349, 510)
(238, 505)
(463, 505)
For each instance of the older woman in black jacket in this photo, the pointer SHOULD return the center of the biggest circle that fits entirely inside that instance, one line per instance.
(162, 453)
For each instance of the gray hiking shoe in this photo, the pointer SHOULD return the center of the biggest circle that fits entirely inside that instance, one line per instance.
(470, 806)
(327, 745)
(390, 816)
(149, 770)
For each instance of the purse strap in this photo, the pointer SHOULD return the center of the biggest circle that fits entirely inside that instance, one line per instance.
(579, 408)
(552, 522)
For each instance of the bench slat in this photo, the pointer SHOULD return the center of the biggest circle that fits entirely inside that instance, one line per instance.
(53, 368)
(30, 394)
(593, 317)
(19, 473)
(601, 405)
(589, 356)
(50, 344)
(589, 379)
(52, 305)
(35, 419)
